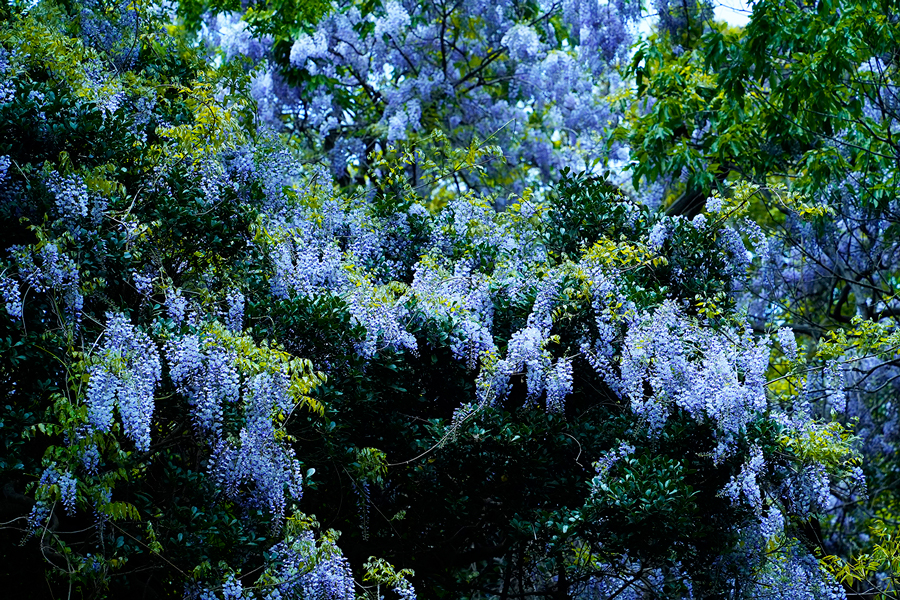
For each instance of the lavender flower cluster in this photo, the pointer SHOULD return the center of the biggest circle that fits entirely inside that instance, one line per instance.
(310, 570)
(796, 575)
(43, 269)
(256, 457)
(67, 484)
(12, 298)
(707, 373)
(205, 373)
(71, 196)
(125, 376)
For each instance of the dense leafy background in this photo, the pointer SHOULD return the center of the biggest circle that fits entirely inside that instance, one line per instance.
(448, 300)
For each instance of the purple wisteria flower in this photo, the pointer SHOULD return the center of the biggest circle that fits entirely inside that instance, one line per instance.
(125, 377)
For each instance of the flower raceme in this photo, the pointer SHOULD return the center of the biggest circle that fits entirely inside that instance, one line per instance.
(124, 377)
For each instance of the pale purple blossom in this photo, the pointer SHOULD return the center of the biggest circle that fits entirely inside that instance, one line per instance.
(658, 235)
(788, 343)
(12, 298)
(125, 377)
(522, 41)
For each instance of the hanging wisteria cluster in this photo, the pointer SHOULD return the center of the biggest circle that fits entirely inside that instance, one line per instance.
(256, 457)
(205, 373)
(707, 373)
(46, 269)
(125, 377)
